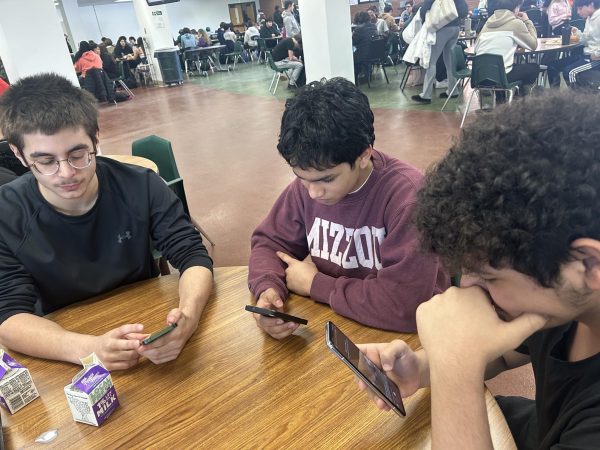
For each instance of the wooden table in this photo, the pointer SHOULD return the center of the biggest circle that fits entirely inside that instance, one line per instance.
(135, 160)
(232, 387)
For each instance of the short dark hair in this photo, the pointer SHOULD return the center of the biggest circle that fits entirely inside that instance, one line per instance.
(362, 17)
(387, 8)
(46, 103)
(287, 4)
(494, 5)
(327, 123)
(580, 3)
(517, 188)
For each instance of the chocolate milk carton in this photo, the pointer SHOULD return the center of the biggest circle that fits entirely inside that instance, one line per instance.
(16, 385)
(91, 395)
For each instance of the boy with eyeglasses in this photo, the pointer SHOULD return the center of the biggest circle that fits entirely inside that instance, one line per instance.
(79, 225)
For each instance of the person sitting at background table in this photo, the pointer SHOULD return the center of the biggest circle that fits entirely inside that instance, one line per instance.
(349, 209)
(559, 14)
(504, 31)
(515, 204)
(361, 41)
(203, 39)
(407, 14)
(389, 20)
(79, 225)
(250, 36)
(575, 64)
(122, 49)
(88, 57)
(270, 30)
(229, 34)
(109, 65)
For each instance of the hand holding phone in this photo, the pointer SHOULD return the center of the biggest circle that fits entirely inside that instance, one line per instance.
(158, 334)
(364, 368)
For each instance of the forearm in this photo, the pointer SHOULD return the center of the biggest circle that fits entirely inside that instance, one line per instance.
(42, 338)
(194, 289)
(450, 387)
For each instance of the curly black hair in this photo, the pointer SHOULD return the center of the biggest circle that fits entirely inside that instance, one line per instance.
(517, 188)
(327, 123)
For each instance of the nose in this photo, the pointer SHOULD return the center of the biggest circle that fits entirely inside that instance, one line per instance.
(314, 191)
(65, 170)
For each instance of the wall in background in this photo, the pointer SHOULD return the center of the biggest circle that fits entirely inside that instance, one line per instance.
(114, 20)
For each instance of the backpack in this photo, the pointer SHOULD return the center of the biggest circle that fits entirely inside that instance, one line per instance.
(589, 79)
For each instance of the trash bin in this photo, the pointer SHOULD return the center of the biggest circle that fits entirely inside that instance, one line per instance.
(170, 66)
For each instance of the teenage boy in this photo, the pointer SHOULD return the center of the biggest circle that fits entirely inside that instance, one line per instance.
(350, 210)
(572, 66)
(285, 57)
(515, 203)
(79, 225)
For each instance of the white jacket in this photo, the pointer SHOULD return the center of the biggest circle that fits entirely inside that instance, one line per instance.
(591, 35)
(420, 45)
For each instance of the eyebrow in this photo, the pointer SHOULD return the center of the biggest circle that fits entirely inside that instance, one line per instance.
(324, 177)
(71, 150)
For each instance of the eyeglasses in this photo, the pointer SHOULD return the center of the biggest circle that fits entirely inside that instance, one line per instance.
(79, 159)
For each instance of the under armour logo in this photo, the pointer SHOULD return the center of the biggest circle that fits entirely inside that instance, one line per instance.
(126, 235)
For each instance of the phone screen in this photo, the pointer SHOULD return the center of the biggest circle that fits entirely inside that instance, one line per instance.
(379, 382)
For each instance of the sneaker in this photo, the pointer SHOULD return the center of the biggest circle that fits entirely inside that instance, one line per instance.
(445, 95)
(440, 84)
(421, 100)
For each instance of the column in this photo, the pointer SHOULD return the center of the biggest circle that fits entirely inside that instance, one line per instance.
(40, 49)
(327, 39)
(156, 30)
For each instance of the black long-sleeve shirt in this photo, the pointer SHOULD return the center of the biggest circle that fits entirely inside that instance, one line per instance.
(49, 260)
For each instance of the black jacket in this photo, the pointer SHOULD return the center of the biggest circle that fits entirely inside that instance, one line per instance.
(361, 39)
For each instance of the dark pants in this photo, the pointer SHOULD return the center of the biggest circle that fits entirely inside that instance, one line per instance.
(555, 66)
(527, 74)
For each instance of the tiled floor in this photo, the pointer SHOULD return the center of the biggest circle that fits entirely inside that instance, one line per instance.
(224, 131)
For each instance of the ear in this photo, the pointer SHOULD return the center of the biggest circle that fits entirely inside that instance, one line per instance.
(365, 157)
(587, 250)
(17, 153)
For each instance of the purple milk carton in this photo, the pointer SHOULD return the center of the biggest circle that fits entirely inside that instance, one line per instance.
(16, 385)
(91, 395)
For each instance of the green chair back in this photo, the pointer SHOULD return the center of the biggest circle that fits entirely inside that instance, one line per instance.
(159, 151)
(488, 72)
(238, 47)
(460, 69)
(262, 44)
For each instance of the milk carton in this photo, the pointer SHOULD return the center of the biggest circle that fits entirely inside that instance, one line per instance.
(16, 385)
(91, 395)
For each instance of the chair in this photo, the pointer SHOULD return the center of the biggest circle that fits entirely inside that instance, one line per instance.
(262, 49)
(378, 56)
(459, 69)
(488, 75)
(409, 68)
(159, 151)
(236, 54)
(277, 71)
(120, 79)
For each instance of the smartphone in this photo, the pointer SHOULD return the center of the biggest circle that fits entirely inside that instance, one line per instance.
(364, 368)
(279, 315)
(154, 336)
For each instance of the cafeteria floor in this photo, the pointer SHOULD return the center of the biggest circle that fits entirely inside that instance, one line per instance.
(224, 131)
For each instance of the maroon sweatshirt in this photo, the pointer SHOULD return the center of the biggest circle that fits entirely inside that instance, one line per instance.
(365, 248)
